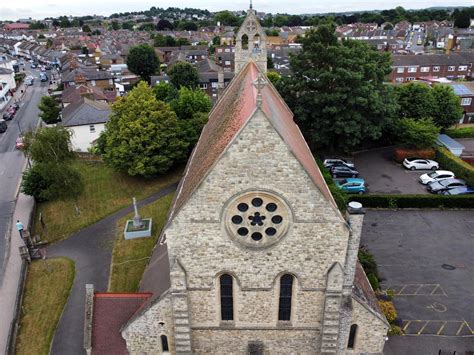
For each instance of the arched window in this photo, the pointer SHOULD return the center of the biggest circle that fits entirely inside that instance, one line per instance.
(352, 336)
(256, 42)
(245, 42)
(164, 343)
(286, 291)
(227, 301)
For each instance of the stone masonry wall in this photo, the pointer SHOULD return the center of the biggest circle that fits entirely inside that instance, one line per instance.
(143, 335)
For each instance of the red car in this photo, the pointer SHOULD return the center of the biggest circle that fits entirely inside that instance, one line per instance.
(19, 143)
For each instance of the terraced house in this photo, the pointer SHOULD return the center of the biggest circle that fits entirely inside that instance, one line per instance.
(255, 256)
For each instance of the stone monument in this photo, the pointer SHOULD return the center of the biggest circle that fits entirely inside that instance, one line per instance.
(137, 227)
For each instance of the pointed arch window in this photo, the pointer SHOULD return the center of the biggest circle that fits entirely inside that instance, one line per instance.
(164, 343)
(245, 41)
(227, 300)
(286, 293)
(352, 336)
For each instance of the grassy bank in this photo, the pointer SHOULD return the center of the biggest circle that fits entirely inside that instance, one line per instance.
(48, 284)
(130, 257)
(105, 192)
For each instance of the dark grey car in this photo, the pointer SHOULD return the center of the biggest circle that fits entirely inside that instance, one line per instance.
(439, 186)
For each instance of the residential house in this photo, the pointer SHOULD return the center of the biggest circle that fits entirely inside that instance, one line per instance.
(85, 119)
(73, 94)
(411, 67)
(16, 26)
(465, 91)
(89, 77)
(225, 57)
(8, 76)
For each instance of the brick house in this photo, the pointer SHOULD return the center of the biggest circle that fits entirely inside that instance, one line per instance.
(452, 66)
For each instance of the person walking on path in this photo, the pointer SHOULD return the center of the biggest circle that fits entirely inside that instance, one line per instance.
(19, 226)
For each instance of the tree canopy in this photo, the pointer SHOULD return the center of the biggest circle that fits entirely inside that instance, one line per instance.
(143, 135)
(418, 133)
(142, 60)
(49, 110)
(337, 91)
(183, 74)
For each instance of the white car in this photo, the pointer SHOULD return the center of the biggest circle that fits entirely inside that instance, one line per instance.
(437, 175)
(420, 164)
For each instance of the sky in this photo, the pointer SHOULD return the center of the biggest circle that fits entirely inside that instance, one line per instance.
(39, 9)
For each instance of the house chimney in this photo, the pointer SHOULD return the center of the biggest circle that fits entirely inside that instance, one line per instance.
(220, 82)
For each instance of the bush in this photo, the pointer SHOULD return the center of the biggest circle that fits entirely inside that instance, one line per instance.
(395, 330)
(419, 133)
(461, 169)
(465, 132)
(401, 153)
(388, 310)
(414, 201)
(374, 281)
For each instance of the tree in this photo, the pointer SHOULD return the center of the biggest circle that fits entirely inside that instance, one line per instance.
(462, 19)
(165, 92)
(190, 102)
(52, 175)
(142, 60)
(270, 64)
(414, 100)
(183, 42)
(49, 110)
(163, 25)
(419, 133)
(447, 110)
(86, 28)
(274, 77)
(143, 135)
(115, 25)
(227, 18)
(337, 91)
(183, 74)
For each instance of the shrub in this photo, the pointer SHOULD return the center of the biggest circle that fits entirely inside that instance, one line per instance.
(374, 281)
(401, 153)
(414, 201)
(388, 309)
(464, 132)
(449, 161)
(419, 133)
(395, 330)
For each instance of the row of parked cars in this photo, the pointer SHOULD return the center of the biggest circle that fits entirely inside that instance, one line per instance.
(8, 116)
(442, 182)
(342, 168)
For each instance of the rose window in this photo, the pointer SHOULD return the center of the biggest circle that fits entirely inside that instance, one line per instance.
(257, 219)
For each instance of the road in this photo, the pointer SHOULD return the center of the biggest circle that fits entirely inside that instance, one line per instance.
(12, 161)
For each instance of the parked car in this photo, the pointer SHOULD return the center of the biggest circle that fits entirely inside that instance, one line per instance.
(446, 184)
(19, 144)
(3, 125)
(420, 164)
(336, 161)
(43, 77)
(437, 175)
(8, 115)
(343, 171)
(16, 106)
(33, 66)
(463, 190)
(352, 186)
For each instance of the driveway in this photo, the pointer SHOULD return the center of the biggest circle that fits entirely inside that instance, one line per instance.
(91, 250)
(383, 175)
(425, 257)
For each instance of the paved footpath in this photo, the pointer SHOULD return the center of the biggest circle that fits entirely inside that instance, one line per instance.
(91, 250)
(10, 281)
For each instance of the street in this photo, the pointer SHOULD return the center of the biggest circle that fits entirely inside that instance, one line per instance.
(12, 161)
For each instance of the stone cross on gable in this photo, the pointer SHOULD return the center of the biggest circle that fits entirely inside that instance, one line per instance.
(251, 26)
(259, 83)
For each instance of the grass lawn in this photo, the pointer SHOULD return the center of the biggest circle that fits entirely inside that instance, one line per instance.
(105, 192)
(130, 257)
(47, 288)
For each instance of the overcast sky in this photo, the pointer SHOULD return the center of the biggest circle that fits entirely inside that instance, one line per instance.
(12, 10)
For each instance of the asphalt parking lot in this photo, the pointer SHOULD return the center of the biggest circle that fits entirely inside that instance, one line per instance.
(383, 175)
(426, 258)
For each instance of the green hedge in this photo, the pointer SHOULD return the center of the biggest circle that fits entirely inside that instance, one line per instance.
(465, 132)
(461, 169)
(414, 201)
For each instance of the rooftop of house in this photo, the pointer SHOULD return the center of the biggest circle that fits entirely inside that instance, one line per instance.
(111, 311)
(85, 112)
(75, 93)
(433, 59)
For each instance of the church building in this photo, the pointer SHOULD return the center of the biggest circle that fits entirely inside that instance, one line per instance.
(255, 257)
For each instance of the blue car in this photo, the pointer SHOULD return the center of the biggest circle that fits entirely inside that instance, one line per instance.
(463, 190)
(352, 186)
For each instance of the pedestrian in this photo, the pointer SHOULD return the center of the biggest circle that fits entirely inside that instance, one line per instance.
(19, 226)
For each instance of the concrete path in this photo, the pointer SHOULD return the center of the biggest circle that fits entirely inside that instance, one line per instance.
(10, 281)
(91, 249)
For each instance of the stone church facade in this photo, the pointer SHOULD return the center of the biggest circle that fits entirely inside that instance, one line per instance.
(260, 260)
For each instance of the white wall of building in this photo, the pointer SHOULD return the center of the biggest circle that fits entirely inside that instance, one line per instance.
(83, 136)
(9, 79)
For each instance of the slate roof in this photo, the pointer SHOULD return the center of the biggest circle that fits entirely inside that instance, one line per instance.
(75, 93)
(5, 71)
(85, 112)
(431, 59)
(111, 311)
(87, 73)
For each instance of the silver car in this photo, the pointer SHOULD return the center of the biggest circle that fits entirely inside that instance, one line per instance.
(439, 186)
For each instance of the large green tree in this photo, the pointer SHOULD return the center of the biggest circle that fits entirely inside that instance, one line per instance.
(448, 110)
(52, 174)
(190, 102)
(414, 100)
(417, 133)
(337, 91)
(142, 60)
(183, 74)
(143, 135)
(49, 110)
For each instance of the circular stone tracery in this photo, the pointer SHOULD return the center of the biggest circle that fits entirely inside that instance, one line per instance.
(257, 219)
